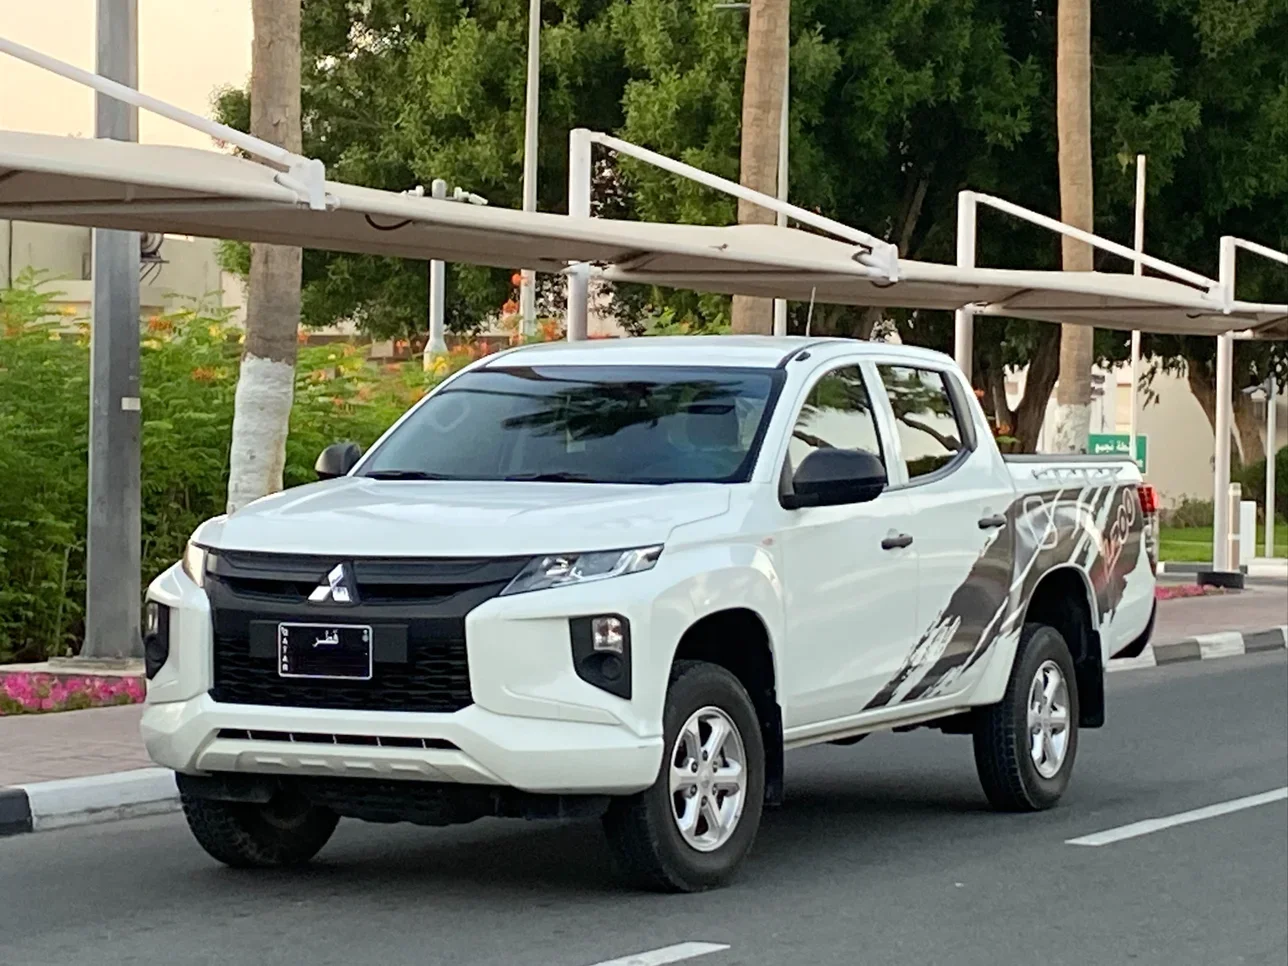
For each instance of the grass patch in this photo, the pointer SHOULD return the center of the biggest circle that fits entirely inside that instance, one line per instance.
(1194, 544)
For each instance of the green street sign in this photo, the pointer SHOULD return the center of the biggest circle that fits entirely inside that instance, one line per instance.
(1117, 444)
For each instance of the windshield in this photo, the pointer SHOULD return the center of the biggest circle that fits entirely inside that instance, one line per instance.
(585, 424)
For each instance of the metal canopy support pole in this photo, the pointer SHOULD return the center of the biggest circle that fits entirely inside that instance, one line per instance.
(964, 318)
(784, 134)
(1272, 391)
(437, 295)
(1224, 405)
(580, 146)
(1138, 269)
(528, 290)
(113, 593)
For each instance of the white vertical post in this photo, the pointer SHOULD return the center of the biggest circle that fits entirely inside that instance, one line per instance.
(784, 134)
(1273, 390)
(1138, 269)
(964, 318)
(1221, 463)
(580, 148)
(437, 344)
(1224, 404)
(528, 289)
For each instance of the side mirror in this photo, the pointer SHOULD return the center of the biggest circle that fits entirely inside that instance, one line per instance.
(337, 460)
(836, 477)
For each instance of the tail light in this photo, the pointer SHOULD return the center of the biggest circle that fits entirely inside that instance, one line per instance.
(1148, 499)
(1149, 507)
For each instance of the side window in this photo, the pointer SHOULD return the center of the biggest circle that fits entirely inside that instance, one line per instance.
(925, 418)
(837, 414)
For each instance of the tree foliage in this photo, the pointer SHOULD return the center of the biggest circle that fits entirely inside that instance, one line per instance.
(896, 105)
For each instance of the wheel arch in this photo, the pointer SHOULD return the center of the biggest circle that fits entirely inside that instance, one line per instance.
(738, 639)
(1063, 599)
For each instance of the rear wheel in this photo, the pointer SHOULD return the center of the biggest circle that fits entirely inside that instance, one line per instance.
(693, 827)
(286, 831)
(1025, 744)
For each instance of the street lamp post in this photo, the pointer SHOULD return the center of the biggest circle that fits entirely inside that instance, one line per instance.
(113, 578)
(528, 289)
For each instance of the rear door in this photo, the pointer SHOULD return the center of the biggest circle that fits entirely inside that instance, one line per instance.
(959, 494)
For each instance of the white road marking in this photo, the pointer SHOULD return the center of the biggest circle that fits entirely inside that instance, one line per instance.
(668, 954)
(1136, 829)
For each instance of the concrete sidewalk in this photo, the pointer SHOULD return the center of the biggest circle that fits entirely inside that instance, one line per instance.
(1257, 608)
(98, 754)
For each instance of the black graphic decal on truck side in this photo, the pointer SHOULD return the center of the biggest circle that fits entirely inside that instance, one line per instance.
(1097, 529)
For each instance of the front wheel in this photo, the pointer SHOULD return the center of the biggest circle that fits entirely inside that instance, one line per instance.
(693, 827)
(1026, 743)
(286, 831)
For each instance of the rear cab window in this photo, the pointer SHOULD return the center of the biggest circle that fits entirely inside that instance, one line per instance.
(926, 419)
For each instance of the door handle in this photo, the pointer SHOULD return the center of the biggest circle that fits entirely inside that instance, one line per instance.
(897, 543)
(993, 522)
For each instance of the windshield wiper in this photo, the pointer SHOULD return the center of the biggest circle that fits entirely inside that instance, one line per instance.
(549, 478)
(405, 475)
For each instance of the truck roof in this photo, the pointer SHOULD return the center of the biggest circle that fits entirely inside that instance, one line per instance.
(733, 351)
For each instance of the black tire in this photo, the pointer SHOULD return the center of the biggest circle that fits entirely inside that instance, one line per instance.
(245, 835)
(641, 829)
(1010, 777)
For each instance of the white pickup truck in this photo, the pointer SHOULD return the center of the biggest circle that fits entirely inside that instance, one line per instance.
(620, 579)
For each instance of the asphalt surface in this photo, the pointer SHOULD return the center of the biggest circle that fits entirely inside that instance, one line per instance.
(884, 853)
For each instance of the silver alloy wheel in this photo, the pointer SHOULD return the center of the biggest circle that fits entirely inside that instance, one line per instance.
(1048, 719)
(708, 779)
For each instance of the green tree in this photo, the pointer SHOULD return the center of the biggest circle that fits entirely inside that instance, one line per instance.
(896, 105)
(399, 92)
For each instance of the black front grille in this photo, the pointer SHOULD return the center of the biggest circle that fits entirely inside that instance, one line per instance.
(416, 608)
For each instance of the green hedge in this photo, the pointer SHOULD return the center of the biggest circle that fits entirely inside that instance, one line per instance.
(188, 378)
(1253, 480)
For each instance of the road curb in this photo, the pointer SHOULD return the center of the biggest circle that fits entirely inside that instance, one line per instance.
(1206, 647)
(41, 806)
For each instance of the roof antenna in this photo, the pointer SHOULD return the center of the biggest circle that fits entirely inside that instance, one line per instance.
(810, 317)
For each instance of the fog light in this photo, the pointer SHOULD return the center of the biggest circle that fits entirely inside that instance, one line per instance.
(156, 637)
(601, 652)
(608, 634)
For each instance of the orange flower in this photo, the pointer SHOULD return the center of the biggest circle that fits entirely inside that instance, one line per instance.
(158, 324)
(301, 336)
(516, 278)
(204, 374)
(511, 307)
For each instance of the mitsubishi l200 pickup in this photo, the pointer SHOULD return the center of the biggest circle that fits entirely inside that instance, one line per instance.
(620, 579)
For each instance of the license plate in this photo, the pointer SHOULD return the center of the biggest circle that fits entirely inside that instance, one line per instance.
(328, 651)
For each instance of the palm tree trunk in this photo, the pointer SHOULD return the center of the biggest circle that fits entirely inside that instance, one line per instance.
(266, 383)
(1073, 122)
(762, 106)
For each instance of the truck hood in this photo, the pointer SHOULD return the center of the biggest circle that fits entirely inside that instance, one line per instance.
(361, 517)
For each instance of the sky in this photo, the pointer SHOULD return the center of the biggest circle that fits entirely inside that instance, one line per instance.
(187, 49)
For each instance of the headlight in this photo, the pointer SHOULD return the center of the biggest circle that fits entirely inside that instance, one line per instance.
(560, 570)
(194, 564)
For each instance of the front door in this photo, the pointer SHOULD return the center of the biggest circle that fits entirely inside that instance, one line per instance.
(851, 581)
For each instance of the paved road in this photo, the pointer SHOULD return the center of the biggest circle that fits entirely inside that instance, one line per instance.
(884, 853)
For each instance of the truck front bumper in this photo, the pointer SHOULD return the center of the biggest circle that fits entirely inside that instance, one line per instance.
(472, 746)
(534, 724)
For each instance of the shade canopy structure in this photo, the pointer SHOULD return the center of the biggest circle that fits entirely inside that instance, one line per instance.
(766, 261)
(110, 184)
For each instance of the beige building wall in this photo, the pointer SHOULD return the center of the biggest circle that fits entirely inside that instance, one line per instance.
(1181, 444)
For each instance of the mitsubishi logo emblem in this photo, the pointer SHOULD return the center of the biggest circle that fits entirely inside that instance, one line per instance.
(338, 588)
